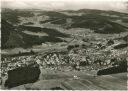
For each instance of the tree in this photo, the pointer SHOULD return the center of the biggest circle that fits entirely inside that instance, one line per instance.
(20, 52)
(32, 52)
(70, 47)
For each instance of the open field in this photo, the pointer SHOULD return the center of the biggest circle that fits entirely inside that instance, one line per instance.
(85, 81)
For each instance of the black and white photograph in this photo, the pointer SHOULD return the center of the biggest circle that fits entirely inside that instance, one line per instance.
(64, 45)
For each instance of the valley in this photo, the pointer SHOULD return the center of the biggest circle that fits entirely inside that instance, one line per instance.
(70, 47)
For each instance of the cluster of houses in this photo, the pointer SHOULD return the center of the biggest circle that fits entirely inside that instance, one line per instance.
(77, 58)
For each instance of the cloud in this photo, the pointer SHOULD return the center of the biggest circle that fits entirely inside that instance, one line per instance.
(66, 4)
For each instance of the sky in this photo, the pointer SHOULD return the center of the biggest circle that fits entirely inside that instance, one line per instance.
(118, 5)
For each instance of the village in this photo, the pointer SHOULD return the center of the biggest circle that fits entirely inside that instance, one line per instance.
(77, 57)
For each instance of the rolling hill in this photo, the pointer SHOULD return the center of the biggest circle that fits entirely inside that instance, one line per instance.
(12, 37)
(13, 15)
(98, 21)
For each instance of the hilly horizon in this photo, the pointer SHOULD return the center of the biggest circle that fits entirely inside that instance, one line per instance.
(32, 23)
